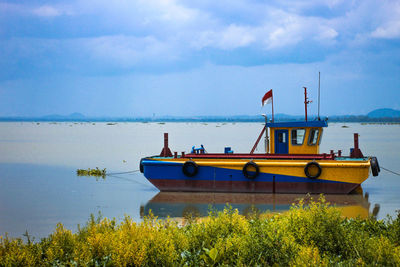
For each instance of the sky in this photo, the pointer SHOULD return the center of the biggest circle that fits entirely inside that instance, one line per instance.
(199, 57)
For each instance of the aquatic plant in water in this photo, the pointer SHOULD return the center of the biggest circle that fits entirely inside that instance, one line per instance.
(92, 172)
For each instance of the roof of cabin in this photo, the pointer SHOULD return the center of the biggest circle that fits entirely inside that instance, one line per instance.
(297, 124)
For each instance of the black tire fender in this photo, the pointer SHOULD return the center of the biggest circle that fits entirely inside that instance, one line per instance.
(190, 168)
(247, 173)
(375, 166)
(379, 168)
(308, 166)
(141, 165)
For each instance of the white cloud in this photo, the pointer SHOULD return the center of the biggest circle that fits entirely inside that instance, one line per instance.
(197, 25)
(326, 34)
(390, 31)
(283, 36)
(388, 21)
(143, 32)
(228, 38)
(40, 11)
(169, 10)
(280, 29)
(46, 11)
(127, 51)
(236, 36)
(286, 29)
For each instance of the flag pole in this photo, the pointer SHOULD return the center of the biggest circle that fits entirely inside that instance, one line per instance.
(272, 107)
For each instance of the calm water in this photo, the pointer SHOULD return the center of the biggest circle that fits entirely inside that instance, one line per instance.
(39, 186)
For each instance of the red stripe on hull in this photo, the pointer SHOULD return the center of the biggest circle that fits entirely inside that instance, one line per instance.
(251, 187)
(260, 156)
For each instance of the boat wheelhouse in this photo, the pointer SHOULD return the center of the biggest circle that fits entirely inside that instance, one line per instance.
(296, 137)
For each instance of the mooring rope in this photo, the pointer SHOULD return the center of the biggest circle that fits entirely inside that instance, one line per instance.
(114, 173)
(129, 180)
(390, 171)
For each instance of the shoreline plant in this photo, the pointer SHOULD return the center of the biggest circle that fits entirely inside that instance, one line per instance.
(307, 235)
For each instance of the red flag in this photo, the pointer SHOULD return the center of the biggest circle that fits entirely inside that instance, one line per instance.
(267, 98)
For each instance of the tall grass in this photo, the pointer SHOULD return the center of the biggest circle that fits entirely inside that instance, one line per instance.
(307, 235)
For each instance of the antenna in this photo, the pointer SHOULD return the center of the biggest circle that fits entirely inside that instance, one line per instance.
(319, 88)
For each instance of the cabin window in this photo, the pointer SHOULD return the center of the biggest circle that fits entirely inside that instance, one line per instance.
(313, 138)
(298, 136)
(320, 137)
(282, 137)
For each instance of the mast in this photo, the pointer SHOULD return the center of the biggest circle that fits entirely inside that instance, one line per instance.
(306, 101)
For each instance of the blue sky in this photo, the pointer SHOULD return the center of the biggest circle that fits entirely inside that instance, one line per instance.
(185, 58)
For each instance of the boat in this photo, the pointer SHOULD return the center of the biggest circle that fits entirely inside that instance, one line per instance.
(292, 163)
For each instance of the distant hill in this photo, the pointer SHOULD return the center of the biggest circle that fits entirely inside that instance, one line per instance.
(378, 115)
(384, 113)
(72, 116)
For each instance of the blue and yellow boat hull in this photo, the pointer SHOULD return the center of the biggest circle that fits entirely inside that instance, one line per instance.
(337, 176)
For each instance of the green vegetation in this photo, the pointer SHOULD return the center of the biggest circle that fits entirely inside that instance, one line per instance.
(91, 172)
(312, 235)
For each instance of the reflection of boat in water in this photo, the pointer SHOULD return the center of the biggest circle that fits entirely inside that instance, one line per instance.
(183, 204)
(292, 164)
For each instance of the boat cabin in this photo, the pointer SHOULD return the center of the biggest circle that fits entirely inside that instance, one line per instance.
(300, 137)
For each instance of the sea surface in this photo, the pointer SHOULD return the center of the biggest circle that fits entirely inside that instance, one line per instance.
(39, 186)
